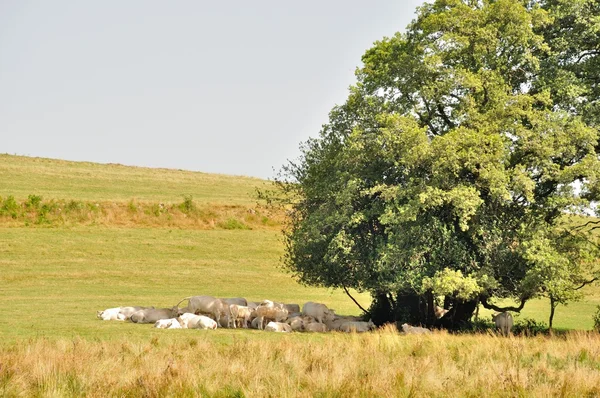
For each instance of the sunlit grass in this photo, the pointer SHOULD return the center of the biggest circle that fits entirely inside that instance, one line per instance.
(58, 179)
(253, 363)
(69, 274)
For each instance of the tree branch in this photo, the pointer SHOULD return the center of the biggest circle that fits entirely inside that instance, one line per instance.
(489, 306)
(356, 302)
(593, 222)
(586, 283)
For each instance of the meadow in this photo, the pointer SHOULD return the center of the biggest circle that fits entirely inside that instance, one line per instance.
(59, 267)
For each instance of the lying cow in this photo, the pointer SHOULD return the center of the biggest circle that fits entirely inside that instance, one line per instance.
(504, 322)
(315, 327)
(319, 311)
(357, 327)
(339, 320)
(111, 314)
(278, 327)
(408, 329)
(171, 323)
(127, 312)
(151, 315)
(193, 321)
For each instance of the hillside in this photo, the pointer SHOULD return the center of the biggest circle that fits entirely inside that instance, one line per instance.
(22, 176)
(57, 192)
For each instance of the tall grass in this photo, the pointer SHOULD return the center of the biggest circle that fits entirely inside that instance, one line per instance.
(36, 211)
(381, 364)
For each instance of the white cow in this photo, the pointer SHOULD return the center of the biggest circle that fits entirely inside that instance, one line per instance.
(110, 314)
(151, 315)
(206, 305)
(315, 327)
(357, 326)
(504, 322)
(242, 314)
(339, 320)
(319, 311)
(127, 312)
(296, 323)
(171, 323)
(192, 321)
(408, 329)
(278, 327)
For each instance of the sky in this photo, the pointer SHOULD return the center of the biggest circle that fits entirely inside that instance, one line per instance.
(231, 87)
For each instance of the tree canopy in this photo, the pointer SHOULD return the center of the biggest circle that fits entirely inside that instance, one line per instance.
(454, 171)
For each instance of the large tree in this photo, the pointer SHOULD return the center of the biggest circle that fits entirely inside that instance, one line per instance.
(451, 173)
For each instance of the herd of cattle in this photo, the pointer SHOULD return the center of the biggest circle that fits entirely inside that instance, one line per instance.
(208, 312)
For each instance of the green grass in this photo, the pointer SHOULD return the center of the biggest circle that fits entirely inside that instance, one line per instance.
(58, 179)
(69, 274)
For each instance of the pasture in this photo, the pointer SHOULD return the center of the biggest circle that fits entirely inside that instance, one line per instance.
(56, 275)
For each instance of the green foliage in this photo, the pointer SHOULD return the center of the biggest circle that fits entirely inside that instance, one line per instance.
(596, 319)
(453, 160)
(529, 327)
(233, 223)
(188, 205)
(452, 283)
(33, 201)
(9, 207)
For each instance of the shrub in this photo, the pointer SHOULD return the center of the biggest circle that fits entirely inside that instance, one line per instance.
(529, 327)
(232, 223)
(596, 319)
(9, 207)
(188, 204)
(74, 205)
(132, 207)
(33, 201)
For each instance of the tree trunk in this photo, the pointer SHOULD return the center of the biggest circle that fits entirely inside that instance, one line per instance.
(553, 305)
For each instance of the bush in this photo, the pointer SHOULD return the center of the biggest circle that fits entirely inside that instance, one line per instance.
(232, 223)
(188, 204)
(529, 327)
(9, 207)
(33, 201)
(596, 319)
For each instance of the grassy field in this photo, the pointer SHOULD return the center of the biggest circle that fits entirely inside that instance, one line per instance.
(57, 273)
(58, 179)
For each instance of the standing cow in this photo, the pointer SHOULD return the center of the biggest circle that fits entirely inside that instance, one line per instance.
(504, 322)
(206, 305)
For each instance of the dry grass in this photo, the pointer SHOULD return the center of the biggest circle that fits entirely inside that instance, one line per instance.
(188, 214)
(384, 363)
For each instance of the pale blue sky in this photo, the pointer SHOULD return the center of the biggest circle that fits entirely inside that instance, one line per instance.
(223, 87)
